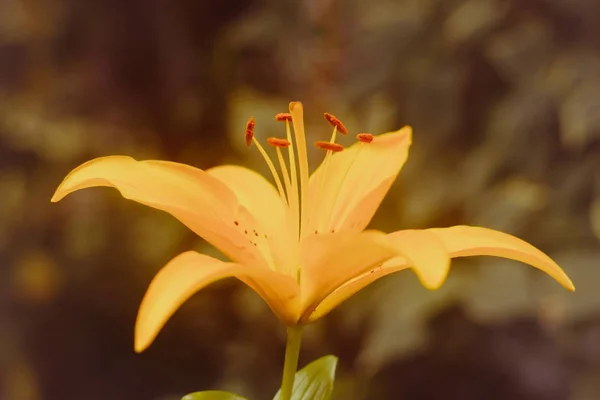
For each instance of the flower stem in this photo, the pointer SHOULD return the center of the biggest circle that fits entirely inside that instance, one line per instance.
(292, 352)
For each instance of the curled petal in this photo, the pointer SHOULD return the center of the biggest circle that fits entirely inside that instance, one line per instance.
(330, 260)
(200, 201)
(463, 241)
(189, 272)
(354, 285)
(425, 253)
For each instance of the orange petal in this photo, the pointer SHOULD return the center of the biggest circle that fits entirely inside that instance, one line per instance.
(189, 272)
(354, 285)
(462, 241)
(262, 200)
(357, 179)
(330, 260)
(425, 253)
(196, 198)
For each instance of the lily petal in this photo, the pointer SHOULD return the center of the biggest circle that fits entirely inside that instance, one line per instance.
(200, 201)
(425, 253)
(189, 272)
(356, 181)
(262, 200)
(463, 241)
(354, 285)
(330, 260)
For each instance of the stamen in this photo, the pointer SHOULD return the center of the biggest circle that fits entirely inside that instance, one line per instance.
(250, 131)
(294, 200)
(325, 169)
(286, 175)
(293, 195)
(277, 142)
(283, 117)
(365, 137)
(272, 168)
(335, 147)
(336, 123)
(249, 139)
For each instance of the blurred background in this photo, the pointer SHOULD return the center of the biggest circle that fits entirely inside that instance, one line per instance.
(504, 98)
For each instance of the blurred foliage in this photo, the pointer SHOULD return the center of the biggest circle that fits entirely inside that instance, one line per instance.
(503, 97)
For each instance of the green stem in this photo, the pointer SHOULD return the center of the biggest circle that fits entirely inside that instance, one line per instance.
(292, 352)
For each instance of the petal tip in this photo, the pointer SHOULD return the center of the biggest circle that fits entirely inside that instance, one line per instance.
(139, 347)
(569, 286)
(56, 197)
(431, 283)
(407, 131)
(140, 341)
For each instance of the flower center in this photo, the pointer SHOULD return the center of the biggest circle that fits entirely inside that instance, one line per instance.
(294, 188)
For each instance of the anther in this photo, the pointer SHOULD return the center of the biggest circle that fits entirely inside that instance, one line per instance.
(365, 137)
(336, 123)
(335, 147)
(277, 142)
(250, 131)
(283, 117)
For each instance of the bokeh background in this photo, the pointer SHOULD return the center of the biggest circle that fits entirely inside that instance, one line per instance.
(504, 98)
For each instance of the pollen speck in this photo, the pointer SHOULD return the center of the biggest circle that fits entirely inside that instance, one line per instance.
(236, 223)
(335, 147)
(336, 123)
(365, 137)
(283, 117)
(246, 231)
(250, 131)
(277, 142)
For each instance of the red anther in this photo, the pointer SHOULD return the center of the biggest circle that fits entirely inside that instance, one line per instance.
(283, 117)
(365, 137)
(336, 123)
(277, 142)
(335, 147)
(250, 131)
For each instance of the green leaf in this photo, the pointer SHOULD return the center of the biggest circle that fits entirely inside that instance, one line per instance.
(315, 381)
(212, 395)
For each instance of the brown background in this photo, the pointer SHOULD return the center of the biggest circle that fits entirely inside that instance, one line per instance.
(504, 97)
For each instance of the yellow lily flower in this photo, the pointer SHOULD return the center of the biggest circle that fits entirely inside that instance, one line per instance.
(301, 244)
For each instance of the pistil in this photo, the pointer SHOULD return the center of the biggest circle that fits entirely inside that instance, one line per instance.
(297, 120)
